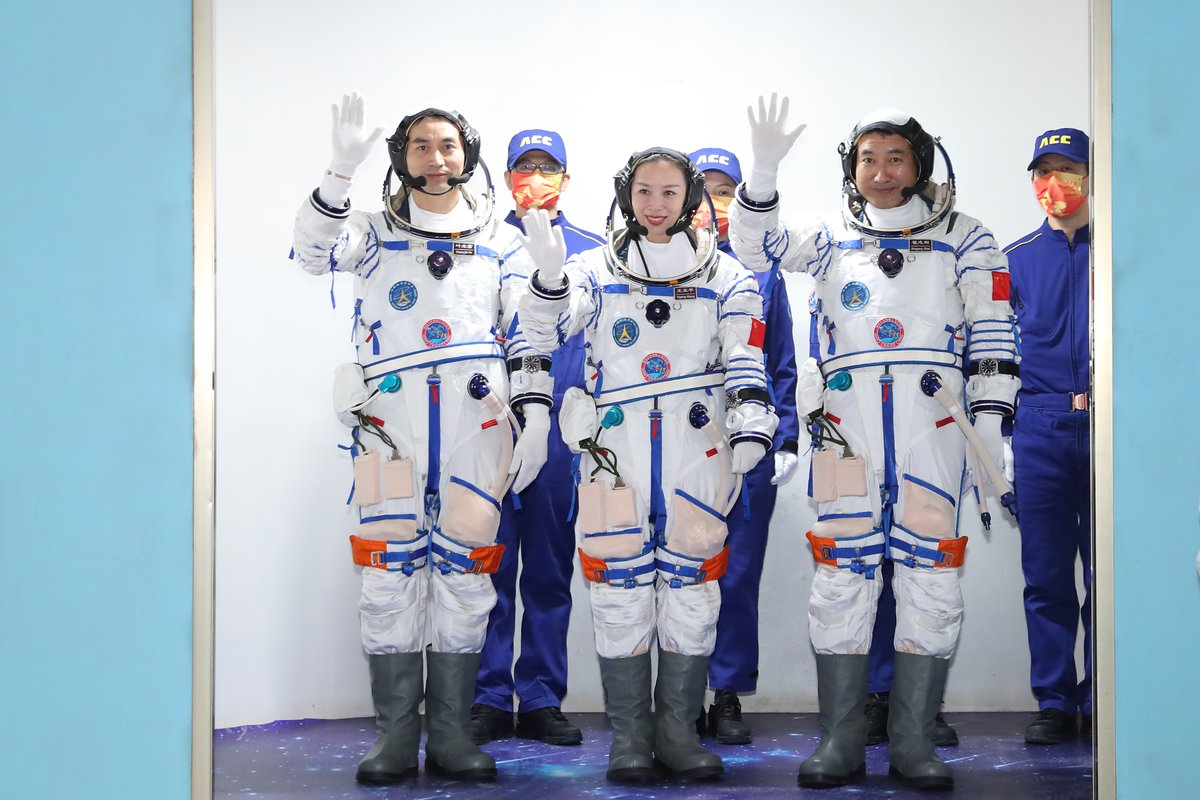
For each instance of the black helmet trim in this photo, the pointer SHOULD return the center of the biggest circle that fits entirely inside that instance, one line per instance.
(397, 145)
(395, 209)
(623, 181)
(900, 124)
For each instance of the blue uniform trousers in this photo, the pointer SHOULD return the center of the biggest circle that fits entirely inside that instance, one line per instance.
(1052, 453)
(541, 531)
(734, 662)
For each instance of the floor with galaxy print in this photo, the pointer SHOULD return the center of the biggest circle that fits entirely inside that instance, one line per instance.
(316, 759)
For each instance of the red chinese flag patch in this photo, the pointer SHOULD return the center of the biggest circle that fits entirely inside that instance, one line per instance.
(1000, 286)
(758, 333)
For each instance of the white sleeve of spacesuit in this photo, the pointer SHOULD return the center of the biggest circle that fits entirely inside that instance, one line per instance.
(761, 241)
(742, 333)
(328, 236)
(551, 315)
(528, 365)
(992, 353)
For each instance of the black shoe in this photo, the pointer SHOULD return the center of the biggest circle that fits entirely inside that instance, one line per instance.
(489, 723)
(943, 734)
(877, 717)
(1051, 727)
(725, 719)
(700, 721)
(548, 725)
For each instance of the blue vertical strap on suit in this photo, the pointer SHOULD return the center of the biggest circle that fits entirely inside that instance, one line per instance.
(658, 504)
(890, 490)
(434, 478)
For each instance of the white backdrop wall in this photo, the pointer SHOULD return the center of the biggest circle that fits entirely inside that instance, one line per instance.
(612, 77)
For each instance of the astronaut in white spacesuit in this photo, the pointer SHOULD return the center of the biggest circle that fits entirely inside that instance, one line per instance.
(427, 401)
(675, 412)
(909, 292)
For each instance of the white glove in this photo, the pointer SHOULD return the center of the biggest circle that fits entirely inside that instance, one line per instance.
(988, 428)
(785, 467)
(350, 145)
(746, 455)
(1010, 461)
(769, 143)
(545, 246)
(529, 456)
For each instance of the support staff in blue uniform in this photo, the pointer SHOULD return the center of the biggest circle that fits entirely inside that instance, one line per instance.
(538, 522)
(734, 664)
(1051, 440)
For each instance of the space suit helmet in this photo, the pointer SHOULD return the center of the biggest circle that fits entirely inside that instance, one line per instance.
(397, 145)
(623, 181)
(889, 120)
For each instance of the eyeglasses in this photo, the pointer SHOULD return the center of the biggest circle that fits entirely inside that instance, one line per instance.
(548, 168)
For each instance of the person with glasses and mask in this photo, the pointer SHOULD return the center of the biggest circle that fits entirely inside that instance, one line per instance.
(733, 667)
(537, 522)
(674, 412)
(913, 301)
(1052, 435)
(427, 403)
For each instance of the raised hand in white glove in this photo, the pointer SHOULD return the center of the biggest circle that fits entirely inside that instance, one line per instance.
(769, 142)
(988, 428)
(785, 467)
(529, 455)
(746, 455)
(351, 143)
(545, 246)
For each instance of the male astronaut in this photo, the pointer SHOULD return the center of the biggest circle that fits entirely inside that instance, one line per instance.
(538, 523)
(427, 402)
(909, 290)
(733, 667)
(675, 412)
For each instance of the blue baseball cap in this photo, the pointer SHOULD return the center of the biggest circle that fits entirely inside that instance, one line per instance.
(1069, 143)
(714, 158)
(536, 139)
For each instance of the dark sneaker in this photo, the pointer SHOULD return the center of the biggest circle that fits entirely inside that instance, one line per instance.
(725, 719)
(943, 734)
(1051, 726)
(877, 717)
(489, 723)
(548, 725)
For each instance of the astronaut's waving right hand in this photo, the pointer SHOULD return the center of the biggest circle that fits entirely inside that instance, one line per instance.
(545, 246)
(768, 139)
(351, 144)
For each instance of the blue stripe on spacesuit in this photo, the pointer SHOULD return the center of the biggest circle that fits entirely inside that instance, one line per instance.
(898, 244)
(624, 532)
(890, 488)
(700, 505)
(433, 479)
(385, 517)
(855, 515)
(655, 291)
(475, 489)
(446, 247)
(658, 504)
(930, 487)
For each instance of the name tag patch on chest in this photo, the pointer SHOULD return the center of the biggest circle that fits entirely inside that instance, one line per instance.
(402, 295)
(625, 332)
(464, 249)
(920, 245)
(655, 367)
(685, 292)
(436, 333)
(889, 332)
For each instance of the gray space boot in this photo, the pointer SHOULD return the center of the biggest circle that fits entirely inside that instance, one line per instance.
(916, 697)
(396, 688)
(626, 684)
(842, 696)
(450, 750)
(678, 697)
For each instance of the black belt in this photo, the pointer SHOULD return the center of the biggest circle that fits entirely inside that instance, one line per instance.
(1055, 401)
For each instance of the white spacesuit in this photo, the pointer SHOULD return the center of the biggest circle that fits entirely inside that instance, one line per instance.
(902, 291)
(675, 412)
(433, 444)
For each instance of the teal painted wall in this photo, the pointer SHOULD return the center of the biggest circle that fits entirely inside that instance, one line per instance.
(1156, 469)
(95, 404)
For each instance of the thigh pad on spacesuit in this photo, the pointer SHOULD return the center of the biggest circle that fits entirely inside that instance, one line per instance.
(926, 510)
(834, 476)
(694, 529)
(607, 521)
(469, 514)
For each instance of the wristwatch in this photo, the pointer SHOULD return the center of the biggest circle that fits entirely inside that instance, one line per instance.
(988, 367)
